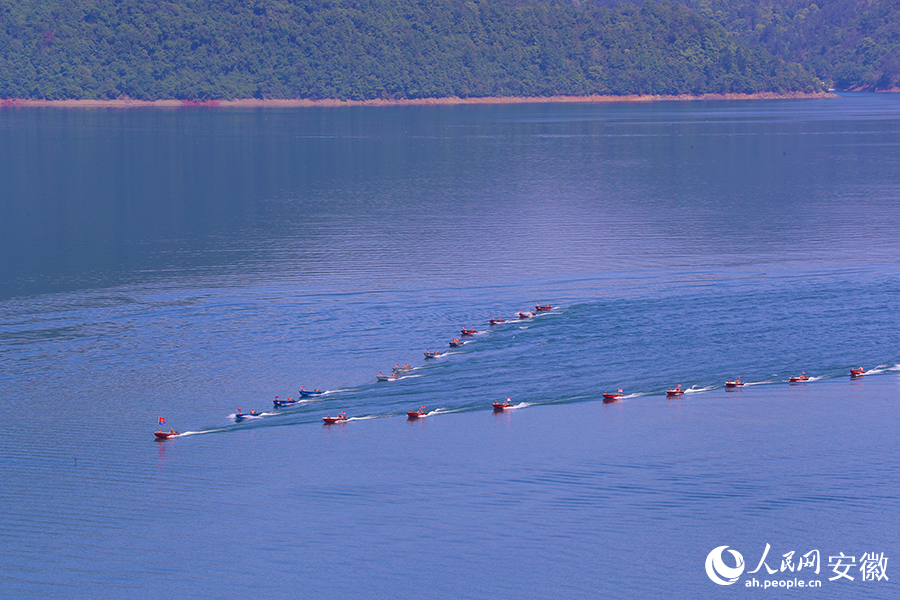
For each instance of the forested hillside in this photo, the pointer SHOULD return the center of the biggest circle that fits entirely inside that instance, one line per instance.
(854, 44)
(361, 49)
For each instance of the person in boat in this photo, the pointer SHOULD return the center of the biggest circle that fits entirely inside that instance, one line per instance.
(171, 432)
(317, 391)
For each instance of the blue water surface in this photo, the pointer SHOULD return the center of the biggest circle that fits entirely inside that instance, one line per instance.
(189, 263)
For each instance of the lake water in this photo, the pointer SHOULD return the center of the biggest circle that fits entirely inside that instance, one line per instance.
(188, 263)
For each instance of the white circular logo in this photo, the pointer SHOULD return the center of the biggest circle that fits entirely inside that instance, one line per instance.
(721, 573)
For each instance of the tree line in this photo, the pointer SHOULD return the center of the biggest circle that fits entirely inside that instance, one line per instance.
(364, 49)
(846, 43)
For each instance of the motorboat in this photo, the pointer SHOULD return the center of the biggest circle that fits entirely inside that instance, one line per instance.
(398, 370)
(799, 378)
(525, 315)
(432, 354)
(498, 320)
(678, 391)
(417, 414)
(239, 415)
(857, 372)
(467, 332)
(382, 377)
(545, 308)
(734, 384)
(315, 392)
(289, 402)
(501, 406)
(613, 395)
(340, 418)
(456, 343)
(164, 435)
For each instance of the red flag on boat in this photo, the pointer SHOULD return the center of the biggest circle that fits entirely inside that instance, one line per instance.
(162, 421)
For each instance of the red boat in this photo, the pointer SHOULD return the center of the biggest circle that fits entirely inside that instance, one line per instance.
(525, 315)
(164, 435)
(612, 395)
(340, 418)
(500, 407)
(468, 332)
(497, 320)
(857, 372)
(802, 377)
(676, 392)
(544, 308)
(417, 414)
(733, 384)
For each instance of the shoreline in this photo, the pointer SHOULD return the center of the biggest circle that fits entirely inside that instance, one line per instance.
(449, 101)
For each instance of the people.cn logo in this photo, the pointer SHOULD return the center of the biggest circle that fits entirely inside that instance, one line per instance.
(721, 573)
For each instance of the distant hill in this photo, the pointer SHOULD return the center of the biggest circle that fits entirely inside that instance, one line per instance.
(363, 49)
(853, 44)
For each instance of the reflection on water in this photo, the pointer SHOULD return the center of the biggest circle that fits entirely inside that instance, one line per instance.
(188, 263)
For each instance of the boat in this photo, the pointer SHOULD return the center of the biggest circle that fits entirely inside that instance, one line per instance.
(340, 418)
(315, 392)
(290, 401)
(417, 414)
(494, 321)
(545, 308)
(398, 370)
(857, 372)
(456, 343)
(676, 392)
(500, 407)
(164, 435)
(734, 384)
(239, 415)
(467, 332)
(799, 378)
(525, 315)
(613, 395)
(381, 377)
(432, 354)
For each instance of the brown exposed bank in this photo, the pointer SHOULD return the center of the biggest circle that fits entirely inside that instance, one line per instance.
(273, 103)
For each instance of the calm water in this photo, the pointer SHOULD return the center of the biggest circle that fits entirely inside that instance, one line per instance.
(188, 263)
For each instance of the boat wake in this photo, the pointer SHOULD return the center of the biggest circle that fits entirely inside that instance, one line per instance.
(443, 411)
(749, 383)
(883, 369)
(520, 405)
(696, 390)
(201, 432)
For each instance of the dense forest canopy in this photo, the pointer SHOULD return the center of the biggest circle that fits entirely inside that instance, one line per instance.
(361, 49)
(853, 43)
